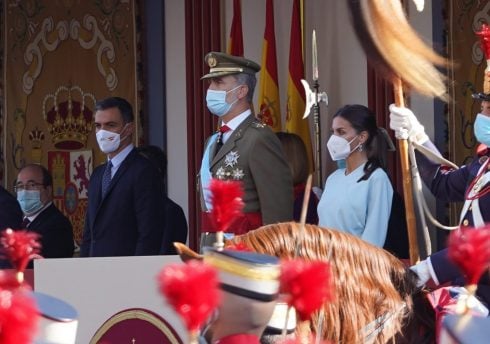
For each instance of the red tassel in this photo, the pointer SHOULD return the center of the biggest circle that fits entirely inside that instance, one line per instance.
(19, 247)
(307, 284)
(19, 315)
(192, 289)
(227, 203)
(469, 249)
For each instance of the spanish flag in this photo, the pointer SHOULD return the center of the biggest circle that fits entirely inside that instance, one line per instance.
(295, 106)
(269, 104)
(235, 45)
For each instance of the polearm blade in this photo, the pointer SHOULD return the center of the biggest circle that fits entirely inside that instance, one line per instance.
(314, 55)
(316, 112)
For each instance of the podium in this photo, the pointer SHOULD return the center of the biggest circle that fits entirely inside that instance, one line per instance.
(117, 298)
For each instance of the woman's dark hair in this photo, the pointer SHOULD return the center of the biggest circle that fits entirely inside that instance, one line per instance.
(363, 119)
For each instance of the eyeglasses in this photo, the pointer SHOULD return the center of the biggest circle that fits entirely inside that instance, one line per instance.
(28, 186)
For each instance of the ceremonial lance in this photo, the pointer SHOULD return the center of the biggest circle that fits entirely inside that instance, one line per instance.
(313, 100)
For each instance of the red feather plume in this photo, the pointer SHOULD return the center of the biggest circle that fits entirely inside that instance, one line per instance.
(192, 289)
(227, 203)
(239, 246)
(307, 285)
(469, 249)
(19, 247)
(19, 315)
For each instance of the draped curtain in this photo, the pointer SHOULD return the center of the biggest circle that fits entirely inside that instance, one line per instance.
(203, 34)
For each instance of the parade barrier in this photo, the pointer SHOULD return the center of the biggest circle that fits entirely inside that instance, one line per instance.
(116, 298)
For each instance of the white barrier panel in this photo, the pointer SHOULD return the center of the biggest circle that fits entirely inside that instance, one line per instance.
(101, 287)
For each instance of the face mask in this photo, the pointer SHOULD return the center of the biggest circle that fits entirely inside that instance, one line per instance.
(339, 148)
(29, 201)
(216, 102)
(482, 129)
(108, 141)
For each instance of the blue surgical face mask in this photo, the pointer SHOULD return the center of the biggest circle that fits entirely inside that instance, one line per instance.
(482, 129)
(216, 102)
(29, 201)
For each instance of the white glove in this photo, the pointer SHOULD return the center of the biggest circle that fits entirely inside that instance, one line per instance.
(406, 125)
(422, 271)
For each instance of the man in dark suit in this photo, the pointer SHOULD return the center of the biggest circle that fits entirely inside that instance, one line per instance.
(10, 213)
(175, 221)
(244, 149)
(34, 188)
(124, 215)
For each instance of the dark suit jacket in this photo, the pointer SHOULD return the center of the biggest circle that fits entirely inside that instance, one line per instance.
(56, 233)
(175, 227)
(129, 220)
(10, 212)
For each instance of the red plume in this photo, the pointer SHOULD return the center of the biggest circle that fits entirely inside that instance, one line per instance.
(19, 247)
(239, 246)
(307, 284)
(192, 289)
(484, 34)
(469, 249)
(18, 311)
(227, 203)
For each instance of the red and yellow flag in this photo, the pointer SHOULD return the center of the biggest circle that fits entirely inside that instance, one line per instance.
(295, 106)
(269, 104)
(235, 44)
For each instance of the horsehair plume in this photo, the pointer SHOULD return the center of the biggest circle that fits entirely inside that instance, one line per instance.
(192, 289)
(367, 280)
(19, 247)
(227, 203)
(306, 284)
(394, 47)
(484, 35)
(469, 249)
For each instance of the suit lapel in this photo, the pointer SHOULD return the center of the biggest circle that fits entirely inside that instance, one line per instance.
(231, 142)
(120, 171)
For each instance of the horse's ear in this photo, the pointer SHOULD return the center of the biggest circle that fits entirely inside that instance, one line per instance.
(186, 253)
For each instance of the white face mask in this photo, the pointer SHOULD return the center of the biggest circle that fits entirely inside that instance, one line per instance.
(108, 141)
(339, 148)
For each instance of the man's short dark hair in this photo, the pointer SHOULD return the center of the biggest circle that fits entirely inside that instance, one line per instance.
(47, 178)
(117, 102)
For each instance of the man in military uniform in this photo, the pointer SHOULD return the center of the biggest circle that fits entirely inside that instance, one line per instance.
(469, 184)
(243, 149)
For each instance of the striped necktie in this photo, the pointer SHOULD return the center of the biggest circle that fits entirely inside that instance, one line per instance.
(106, 178)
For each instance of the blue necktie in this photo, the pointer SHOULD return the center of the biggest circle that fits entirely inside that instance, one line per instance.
(106, 178)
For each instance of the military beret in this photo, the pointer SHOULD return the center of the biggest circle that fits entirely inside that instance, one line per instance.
(221, 64)
(481, 96)
(247, 274)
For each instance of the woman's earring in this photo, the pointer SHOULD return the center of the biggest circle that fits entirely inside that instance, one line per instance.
(360, 147)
